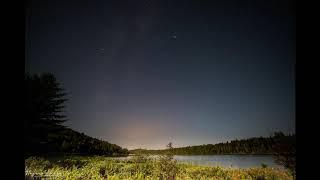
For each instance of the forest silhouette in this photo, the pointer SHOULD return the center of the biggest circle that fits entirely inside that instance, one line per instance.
(46, 134)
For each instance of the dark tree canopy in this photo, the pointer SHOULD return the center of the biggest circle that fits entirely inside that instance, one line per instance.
(43, 125)
(45, 104)
(255, 145)
(284, 151)
(46, 99)
(258, 145)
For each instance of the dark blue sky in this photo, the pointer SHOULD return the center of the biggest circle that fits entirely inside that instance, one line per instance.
(143, 73)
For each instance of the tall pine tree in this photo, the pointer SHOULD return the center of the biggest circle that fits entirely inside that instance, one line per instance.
(45, 104)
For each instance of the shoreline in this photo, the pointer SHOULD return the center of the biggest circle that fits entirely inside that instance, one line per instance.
(105, 167)
(203, 154)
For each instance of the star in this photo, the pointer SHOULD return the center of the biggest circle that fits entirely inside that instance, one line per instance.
(100, 50)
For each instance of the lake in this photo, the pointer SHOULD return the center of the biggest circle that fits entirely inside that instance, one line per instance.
(234, 161)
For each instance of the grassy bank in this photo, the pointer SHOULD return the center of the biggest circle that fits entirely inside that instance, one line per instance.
(98, 167)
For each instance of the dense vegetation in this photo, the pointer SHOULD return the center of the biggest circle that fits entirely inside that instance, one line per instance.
(73, 167)
(43, 125)
(284, 151)
(261, 145)
(70, 141)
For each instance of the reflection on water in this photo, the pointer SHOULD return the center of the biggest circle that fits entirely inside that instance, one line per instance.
(234, 161)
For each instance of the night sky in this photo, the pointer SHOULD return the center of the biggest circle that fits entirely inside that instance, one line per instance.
(144, 73)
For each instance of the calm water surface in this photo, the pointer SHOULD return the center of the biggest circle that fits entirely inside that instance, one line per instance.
(234, 161)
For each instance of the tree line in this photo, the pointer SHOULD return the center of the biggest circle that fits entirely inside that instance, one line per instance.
(43, 124)
(255, 145)
(281, 146)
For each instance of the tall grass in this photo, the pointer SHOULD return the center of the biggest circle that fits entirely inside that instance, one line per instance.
(139, 167)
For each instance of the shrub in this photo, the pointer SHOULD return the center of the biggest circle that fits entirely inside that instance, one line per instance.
(263, 165)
